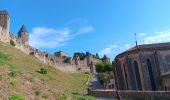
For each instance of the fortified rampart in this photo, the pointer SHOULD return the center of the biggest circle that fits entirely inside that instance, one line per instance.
(60, 59)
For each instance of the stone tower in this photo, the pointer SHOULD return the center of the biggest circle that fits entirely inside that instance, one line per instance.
(89, 58)
(23, 35)
(4, 26)
(92, 67)
(76, 59)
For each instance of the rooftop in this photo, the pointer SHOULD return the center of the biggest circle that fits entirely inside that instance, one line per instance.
(147, 46)
(4, 12)
(23, 29)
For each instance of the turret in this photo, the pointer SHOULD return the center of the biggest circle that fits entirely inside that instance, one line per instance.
(76, 59)
(92, 67)
(23, 35)
(4, 26)
(89, 58)
(105, 59)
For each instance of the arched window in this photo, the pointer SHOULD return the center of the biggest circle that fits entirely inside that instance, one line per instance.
(137, 74)
(151, 76)
(124, 67)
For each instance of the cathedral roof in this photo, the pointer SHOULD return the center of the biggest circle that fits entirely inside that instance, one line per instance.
(147, 47)
(23, 29)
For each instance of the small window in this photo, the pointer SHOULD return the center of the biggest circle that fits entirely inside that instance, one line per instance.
(167, 58)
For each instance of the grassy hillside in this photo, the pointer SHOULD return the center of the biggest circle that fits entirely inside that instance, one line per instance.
(20, 77)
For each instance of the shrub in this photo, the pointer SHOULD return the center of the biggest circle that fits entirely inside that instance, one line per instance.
(12, 43)
(13, 83)
(12, 74)
(37, 92)
(43, 71)
(15, 97)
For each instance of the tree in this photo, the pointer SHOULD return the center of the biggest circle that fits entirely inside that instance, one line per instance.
(104, 67)
(97, 56)
(81, 55)
(100, 67)
(108, 66)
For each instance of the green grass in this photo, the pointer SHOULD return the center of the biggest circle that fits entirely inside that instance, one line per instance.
(3, 58)
(58, 81)
(15, 97)
(74, 96)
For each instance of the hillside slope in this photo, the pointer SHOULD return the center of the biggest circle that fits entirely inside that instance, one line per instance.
(19, 74)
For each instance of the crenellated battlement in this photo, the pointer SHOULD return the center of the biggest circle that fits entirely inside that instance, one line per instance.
(60, 60)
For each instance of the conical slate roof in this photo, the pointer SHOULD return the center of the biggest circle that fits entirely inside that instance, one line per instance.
(4, 12)
(23, 29)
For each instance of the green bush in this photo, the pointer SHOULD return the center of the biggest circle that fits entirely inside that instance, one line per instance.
(13, 83)
(37, 92)
(12, 43)
(15, 97)
(12, 74)
(43, 70)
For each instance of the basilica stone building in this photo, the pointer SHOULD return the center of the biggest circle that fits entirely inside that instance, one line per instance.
(144, 68)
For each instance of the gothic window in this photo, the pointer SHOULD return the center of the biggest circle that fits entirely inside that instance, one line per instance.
(151, 76)
(137, 75)
(167, 59)
(124, 67)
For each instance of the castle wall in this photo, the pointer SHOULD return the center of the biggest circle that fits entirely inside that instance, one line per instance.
(4, 27)
(63, 61)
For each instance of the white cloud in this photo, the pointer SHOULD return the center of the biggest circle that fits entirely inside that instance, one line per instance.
(108, 50)
(163, 36)
(85, 30)
(127, 46)
(42, 37)
(142, 34)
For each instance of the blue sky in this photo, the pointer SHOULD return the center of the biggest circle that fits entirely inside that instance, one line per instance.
(102, 26)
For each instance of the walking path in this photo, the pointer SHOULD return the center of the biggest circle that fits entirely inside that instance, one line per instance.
(95, 82)
(96, 85)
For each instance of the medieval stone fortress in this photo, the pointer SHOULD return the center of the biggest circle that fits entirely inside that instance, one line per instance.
(141, 72)
(60, 59)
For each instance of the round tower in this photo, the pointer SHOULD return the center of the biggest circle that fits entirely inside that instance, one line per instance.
(4, 26)
(76, 59)
(23, 35)
(89, 58)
